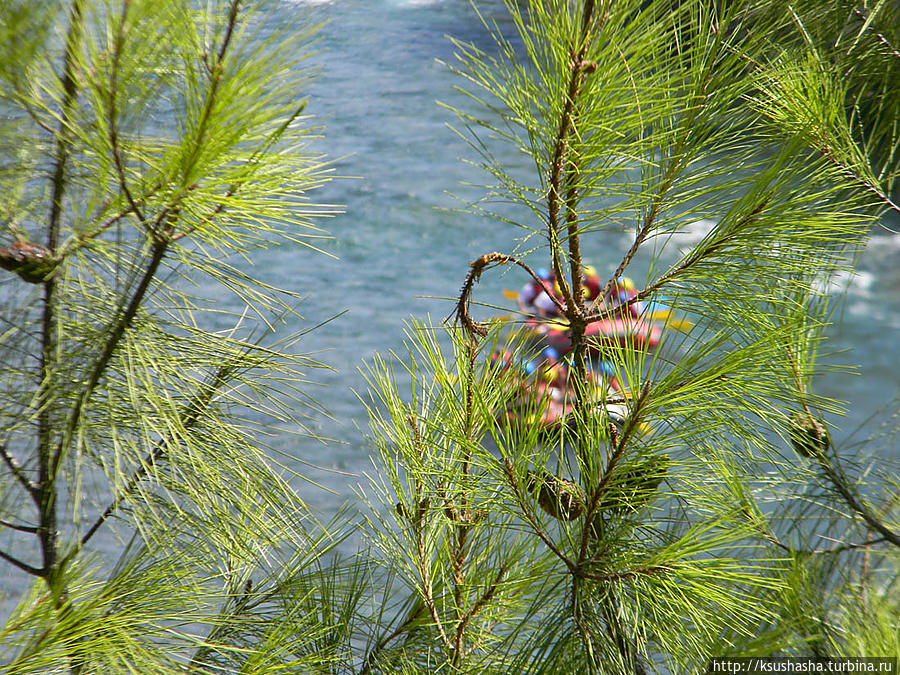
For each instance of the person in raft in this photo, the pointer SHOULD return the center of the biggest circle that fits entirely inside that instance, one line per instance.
(534, 298)
(538, 301)
(622, 292)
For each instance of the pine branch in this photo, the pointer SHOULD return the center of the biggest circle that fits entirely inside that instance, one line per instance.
(528, 513)
(850, 173)
(47, 489)
(423, 564)
(482, 601)
(188, 419)
(217, 71)
(404, 627)
(114, 335)
(620, 445)
(254, 159)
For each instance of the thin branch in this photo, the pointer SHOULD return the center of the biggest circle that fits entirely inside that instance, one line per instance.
(848, 171)
(787, 548)
(17, 470)
(385, 641)
(672, 169)
(25, 567)
(476, 268)
(30, 529)
(424, 572)
(880, 37)
(529, 516)
(697, 256)
(188, 419)
(229, 30)
(115, 333)
(840, 548)
(118, 44)
(620, 445)
(417, 521)
(162, 236)
(485, 598)
(214, 85)
(843, 488)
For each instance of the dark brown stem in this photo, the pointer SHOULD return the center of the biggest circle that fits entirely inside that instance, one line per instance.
(17, 470)
(25, 567)
(46, 482)
(118, 45)
(385, 641)
(460, 541)
(115, 333)
(565, 171)
(29, 529)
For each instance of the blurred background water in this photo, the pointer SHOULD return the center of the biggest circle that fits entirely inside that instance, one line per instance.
(398, 248)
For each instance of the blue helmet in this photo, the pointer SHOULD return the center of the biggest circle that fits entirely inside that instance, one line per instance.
(543, 273)
(550, 353)
(606, 368)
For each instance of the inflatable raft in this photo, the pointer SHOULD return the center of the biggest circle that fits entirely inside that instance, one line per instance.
(623, 332)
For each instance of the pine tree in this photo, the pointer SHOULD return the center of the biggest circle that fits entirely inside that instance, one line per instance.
(147, 147)
(692, 526)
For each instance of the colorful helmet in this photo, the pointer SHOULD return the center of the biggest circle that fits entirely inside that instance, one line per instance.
(606, 368)
(590, 271)
(550, 353)
(529, 367)
(543, 273)
(500, 359)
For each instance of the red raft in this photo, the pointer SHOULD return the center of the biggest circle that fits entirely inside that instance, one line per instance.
(623, 332)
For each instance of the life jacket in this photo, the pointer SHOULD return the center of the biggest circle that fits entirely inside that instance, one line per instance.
(592, 284)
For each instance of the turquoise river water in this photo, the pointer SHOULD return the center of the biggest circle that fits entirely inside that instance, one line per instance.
(397, 247)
